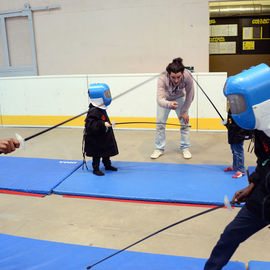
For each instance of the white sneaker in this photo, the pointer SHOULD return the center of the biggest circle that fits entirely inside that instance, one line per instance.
(186, 154)
(156, 154)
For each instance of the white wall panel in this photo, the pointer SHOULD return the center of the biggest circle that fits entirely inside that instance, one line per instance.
(212, 84)
(68, 95)
(52, 95)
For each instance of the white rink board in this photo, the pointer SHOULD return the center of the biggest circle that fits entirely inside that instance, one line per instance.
(68, 95)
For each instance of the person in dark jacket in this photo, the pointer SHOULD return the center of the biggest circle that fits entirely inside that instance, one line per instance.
(254, 215)
(99, 140)
(236, 138)
(250, 107)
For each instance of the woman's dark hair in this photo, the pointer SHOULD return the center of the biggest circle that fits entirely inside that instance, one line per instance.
(176, 66)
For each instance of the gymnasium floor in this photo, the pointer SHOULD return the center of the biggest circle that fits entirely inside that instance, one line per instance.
(117, 224)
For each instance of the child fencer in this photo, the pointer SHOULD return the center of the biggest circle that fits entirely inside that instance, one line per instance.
(98, 139)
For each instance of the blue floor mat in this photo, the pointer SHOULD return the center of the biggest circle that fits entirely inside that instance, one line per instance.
(258, 265)
(34, 175)
(29, 254)
(251, 169)
(162, 182)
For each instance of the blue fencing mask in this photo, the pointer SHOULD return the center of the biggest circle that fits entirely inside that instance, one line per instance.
(248, 94)
(100, 95)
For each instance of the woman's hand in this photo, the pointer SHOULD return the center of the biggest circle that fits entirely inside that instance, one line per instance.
(173, 105)
(185, 117)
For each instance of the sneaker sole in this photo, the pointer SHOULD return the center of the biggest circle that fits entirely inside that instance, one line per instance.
(155, 157)
(238, 176)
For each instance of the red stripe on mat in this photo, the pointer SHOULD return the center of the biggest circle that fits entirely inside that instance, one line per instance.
(135, 201)
(21, 193)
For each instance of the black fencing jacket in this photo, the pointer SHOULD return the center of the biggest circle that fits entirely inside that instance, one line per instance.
(235, 133)
(258, 201)
(99, 141)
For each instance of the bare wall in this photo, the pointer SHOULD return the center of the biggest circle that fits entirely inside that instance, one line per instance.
(118, 36)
